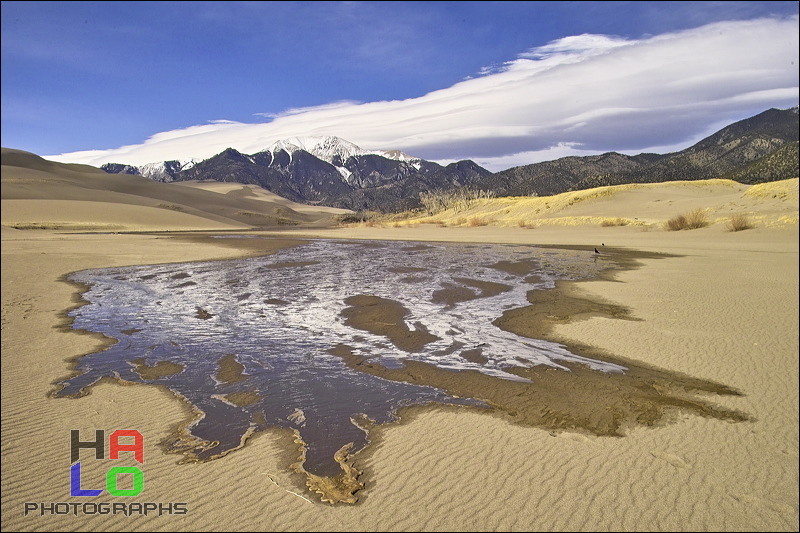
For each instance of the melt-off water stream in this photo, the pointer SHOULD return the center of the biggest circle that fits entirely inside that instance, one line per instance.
(248, 342)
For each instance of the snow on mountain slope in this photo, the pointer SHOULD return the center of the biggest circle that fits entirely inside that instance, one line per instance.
(329, 148)
(165, 170)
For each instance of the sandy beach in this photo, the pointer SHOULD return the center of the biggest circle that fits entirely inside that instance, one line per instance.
(723, 307)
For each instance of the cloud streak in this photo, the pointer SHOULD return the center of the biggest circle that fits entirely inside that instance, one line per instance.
(577, 95)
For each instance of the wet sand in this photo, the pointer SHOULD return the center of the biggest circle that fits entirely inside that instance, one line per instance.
(580, 399)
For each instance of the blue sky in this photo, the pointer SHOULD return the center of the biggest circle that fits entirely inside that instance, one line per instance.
(502, 83)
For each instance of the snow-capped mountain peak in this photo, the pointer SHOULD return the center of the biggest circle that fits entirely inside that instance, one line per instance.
(166, 170)
(325, 148)
(329, 148)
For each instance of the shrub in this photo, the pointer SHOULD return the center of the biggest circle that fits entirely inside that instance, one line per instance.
(478, 221)
(677, 223)
(358, 217)
(739, 222)
(693, 220)
(170, 206)
(697, 219)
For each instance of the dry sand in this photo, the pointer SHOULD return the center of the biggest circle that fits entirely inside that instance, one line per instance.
(725, 309)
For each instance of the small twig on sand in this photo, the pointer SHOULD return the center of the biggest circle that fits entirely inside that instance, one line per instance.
(287, 490)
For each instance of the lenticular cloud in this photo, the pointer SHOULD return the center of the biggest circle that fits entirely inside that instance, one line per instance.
(591, 93)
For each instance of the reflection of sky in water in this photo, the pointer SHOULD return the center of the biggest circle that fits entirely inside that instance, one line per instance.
(279, 315)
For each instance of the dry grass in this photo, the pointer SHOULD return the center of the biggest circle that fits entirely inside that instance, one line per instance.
(739, 222)
(609, 222)
(478, 221)
(781, 190)
(459, 199)
(693, 220)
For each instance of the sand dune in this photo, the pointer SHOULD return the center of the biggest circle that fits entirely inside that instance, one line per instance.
(254, 192)
(644, 205)
(26, 176)
(723, 307)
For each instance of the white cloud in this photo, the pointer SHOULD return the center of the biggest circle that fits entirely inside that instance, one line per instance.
(301, 110)
(574, 96)
(577, 44)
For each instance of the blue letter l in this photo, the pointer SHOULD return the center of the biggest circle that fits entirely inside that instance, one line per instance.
(75, 483)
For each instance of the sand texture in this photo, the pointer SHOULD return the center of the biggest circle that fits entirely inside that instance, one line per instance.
(715, 305)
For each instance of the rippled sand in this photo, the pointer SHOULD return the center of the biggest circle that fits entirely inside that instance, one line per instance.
(723, 308)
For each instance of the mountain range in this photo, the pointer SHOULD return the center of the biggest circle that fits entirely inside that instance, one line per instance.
(330, 171)
(322, 171)
(755, 150)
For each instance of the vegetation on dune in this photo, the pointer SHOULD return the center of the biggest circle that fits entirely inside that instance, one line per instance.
(695, 219)
(460, 199)
(739, 222)
(614, 222)
(472, 208)
(356, 217)
(783, 190)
